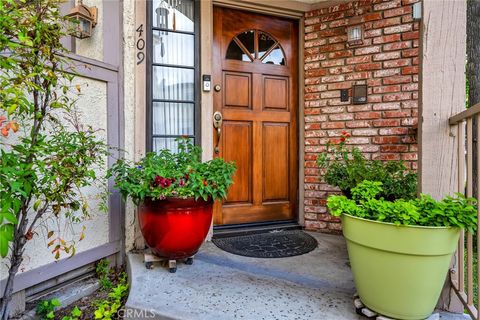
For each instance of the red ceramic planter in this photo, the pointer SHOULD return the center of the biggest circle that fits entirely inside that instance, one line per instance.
(175, 228)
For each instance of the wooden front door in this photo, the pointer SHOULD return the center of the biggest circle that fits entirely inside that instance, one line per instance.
(255, 90)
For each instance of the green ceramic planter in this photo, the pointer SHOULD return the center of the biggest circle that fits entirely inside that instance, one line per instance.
(399, 271)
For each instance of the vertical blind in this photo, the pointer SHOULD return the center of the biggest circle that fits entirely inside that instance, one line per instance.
(173, 72)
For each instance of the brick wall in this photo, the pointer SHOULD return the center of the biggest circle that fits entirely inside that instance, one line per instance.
(387, 61)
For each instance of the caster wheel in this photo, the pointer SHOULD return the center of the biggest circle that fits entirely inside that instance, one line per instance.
(189, 261)
(172, 270)
(149, 265)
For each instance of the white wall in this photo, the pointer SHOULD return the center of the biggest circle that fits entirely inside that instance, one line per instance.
(92, 107)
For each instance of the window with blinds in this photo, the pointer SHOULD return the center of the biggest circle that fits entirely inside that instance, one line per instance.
(173, 73)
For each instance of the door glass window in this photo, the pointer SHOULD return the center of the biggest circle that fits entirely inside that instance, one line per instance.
(254, 45)
(173, 72)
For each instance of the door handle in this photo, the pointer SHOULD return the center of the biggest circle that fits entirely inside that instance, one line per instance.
(217, 124)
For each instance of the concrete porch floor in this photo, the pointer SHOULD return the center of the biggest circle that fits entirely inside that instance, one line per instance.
(220, 285)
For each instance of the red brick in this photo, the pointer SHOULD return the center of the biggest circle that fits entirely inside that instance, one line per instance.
(337, 39)
(333, 125)
(413, 156)
(394, 148)
(387, 5)
(340, 70)
(387, 156)
(315, 73)
(386, 23)
(386, 106)
(368, 66)
(386, 89)
(386, 123)
(340, 54)
(357, 76)
(397, 96)
(331, 32)
(410, 35)
(333, 78)
(410, 70)
(396, 114)
(341, 116)
(372, 16)
(397, 79)
(364, 132)
(387, 72)
(368, 115)
(386, 140)
(386, 56)
(398, 29)
(367, 50)
(333, 63)
(397, 46)
(397, 12)
(396, 63)
(332, 47)
(357, 124)
(355, 60)
(338, 23)
(393, 131)
(410, 53)
(386, 39)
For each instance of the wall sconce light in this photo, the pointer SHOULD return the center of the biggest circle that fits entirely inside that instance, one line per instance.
(83, 20)
(417, 11)
(355, 35)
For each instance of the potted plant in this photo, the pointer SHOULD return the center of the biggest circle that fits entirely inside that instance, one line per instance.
(175, 194)
(400, 251)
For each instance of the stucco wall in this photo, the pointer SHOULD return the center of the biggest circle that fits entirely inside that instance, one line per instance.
(131, 112)
(93, 47)
(92, 107)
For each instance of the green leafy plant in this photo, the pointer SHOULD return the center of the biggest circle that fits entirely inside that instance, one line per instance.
(168, 174)
(46, 308)
(103, 273)
(46, 155)
(346, 166)
(75, 314)
(367, 203)
(108, 308)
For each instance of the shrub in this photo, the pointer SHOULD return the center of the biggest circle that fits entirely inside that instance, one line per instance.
(346, 167)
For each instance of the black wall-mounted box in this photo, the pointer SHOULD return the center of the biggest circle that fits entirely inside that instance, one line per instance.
(359, 94)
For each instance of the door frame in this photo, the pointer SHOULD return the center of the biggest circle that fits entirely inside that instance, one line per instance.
(206, 57)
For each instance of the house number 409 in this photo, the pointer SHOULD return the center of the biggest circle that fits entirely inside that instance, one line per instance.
(140, 45)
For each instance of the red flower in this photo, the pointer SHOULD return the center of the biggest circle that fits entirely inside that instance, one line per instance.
(157, 181)
(205, 183)
(181, 182)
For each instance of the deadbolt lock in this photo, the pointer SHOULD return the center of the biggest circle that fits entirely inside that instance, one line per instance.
(217, 88)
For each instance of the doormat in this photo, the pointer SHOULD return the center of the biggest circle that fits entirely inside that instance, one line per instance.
(276, 244)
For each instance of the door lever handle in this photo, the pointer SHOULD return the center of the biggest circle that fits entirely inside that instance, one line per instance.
(217, 124)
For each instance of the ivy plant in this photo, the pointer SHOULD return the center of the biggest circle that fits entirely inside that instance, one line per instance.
(179, 174)
(367, 203)
(345, 166)
(46, 155)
